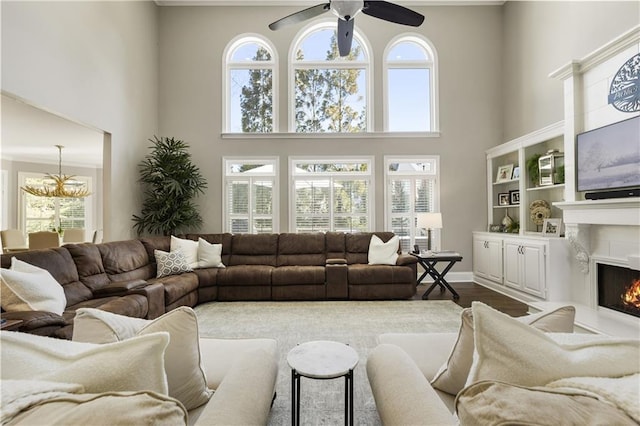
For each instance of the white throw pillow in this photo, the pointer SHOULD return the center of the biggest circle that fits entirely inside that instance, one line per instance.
(510, 351)
(453, 374)
(381, 253)
(171, 263)
(136, 364)
(189, 249)
(183, 362)
(209, 255)
(26, 287)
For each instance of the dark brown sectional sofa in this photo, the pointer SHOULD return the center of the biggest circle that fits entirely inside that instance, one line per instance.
(120, 276)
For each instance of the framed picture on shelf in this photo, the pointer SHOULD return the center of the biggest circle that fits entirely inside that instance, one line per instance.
(514, 197)
(503, 199)
(504, 173)
(551, 227)
(496, 228)
(516, 173)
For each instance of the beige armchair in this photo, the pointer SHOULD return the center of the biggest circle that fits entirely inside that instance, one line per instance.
(74, 235)
(43, 239)
(13, 240)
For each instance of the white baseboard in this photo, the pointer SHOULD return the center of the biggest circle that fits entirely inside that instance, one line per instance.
(451, 277)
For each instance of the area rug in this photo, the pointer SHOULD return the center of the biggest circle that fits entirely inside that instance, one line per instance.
(353, 322)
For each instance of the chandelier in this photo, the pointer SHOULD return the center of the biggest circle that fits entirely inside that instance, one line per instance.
(61, 187)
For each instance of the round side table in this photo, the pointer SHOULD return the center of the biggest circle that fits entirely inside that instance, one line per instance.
(322, 360)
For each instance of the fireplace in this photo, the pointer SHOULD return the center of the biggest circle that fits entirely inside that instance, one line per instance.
(619, 288)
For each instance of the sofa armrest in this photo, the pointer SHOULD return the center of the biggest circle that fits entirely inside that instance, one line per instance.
(155, 298)
(336, 261)
(402, 394)
(34, 320)
(336, 276)
(245, 395)
(118, 288)
(406, 259)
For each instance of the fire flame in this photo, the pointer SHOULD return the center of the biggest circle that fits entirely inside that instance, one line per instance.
(632, 296)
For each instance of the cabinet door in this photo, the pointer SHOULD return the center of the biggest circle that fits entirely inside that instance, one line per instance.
(494, 261)
(533, 269)
(480, 258)
(512, 264)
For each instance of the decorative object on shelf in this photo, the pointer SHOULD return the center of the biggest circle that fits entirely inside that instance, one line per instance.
(514, 228)
(516, 173)
(514, 197)
(506, 220)
(504, 173)
(503, 199)
(539, 210)
(551, 227)
(496, 228)
(532, 168)
(548, 165)
(63, 186)
(170, 181)
(625, 86)
(429, 221)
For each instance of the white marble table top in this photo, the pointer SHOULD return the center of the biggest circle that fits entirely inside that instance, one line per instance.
(322, 359)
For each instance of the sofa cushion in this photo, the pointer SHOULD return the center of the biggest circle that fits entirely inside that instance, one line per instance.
(301, 249)
(31, 402)
(297, 275)
(171, 263)
(254, 249)
(503, 343)
(245, 275)
(183, 361)
(209, 255)
(359, 274)
(177, 286)
(495, 403)
(88, 261)
(59, 263)
(127, 260)
(29, 288)
(135, 364)
(383, 253)
(453, 374)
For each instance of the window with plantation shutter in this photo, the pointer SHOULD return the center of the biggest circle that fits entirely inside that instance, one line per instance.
(250, 195)
(331, 194)
(45, 214)
(412, 188)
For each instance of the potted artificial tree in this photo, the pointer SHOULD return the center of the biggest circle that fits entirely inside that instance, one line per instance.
(170, 182)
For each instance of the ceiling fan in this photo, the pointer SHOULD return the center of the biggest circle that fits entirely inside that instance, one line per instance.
(346, 10)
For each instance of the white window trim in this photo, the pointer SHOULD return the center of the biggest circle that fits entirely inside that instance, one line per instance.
(275, 161)
(431, 63)
(388, 176)
(22, 214)
(228, 65)
(336, 64)
(370, 160)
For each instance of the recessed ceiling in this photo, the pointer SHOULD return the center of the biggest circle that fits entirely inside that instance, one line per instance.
(30, 134)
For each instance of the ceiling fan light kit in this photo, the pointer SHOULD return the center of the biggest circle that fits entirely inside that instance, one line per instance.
(346, 10)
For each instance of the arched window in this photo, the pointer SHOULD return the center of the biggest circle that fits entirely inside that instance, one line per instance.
(410, 85)
(328, 93)
(250, 65)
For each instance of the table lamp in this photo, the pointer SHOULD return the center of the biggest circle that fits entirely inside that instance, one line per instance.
(429, 221)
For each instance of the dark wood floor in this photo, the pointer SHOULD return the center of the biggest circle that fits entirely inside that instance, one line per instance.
(471, 291)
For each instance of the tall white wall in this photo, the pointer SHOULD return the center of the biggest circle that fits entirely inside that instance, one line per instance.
(468, 41)
(94, 62)
(542, 36)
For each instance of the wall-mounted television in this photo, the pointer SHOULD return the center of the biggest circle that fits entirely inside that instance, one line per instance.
(608, 158)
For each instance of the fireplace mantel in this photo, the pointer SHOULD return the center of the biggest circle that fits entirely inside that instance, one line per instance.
(619, 211)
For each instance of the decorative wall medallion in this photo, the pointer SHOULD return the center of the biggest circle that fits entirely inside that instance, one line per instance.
(624, 93)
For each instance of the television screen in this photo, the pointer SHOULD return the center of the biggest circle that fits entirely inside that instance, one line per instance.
(609, 157)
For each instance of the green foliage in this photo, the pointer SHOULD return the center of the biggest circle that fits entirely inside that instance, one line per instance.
(256, 99)
(170, 183)
(532, 169)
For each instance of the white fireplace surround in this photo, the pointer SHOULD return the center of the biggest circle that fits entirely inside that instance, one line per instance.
(599, 231)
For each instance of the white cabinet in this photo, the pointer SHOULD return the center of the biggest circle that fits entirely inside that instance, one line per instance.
(487, 257)
(524, 266)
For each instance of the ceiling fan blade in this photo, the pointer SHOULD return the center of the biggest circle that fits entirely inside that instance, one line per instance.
(345, 36)
(300, 16)
(393, 13)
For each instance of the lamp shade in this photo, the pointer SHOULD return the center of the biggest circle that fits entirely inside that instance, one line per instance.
(430, 220)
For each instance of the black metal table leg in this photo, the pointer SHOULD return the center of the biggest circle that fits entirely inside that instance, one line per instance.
(438, 278)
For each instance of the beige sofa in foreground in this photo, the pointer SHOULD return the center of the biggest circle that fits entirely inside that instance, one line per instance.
(520, 374)
(141, 379)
